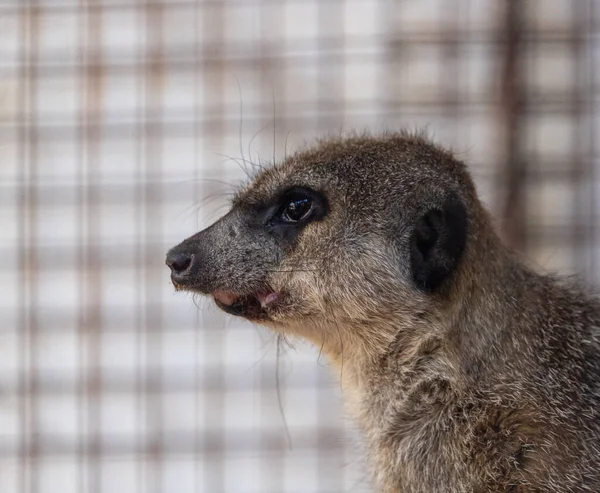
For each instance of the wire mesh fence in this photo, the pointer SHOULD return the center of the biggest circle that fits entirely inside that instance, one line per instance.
(122, 126)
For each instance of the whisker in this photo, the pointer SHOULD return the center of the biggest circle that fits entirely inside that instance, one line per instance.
(288, 342)
(252, 140)
(241, 125)
(285, 145)
(195, 300)
(342, 346)
(259, 360)
(198, 179)
(321, 348)
(213, 213)
(279, 401)
(239, 161)
(204, 202)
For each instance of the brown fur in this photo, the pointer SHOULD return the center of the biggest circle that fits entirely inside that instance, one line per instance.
(490, 383)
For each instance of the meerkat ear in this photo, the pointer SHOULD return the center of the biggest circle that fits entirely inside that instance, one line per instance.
(437, 243)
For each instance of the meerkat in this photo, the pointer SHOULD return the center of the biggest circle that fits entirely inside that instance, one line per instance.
(465, 370)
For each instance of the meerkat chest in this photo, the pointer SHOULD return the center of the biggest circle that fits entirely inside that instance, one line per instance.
(412, 441)
(425, 439)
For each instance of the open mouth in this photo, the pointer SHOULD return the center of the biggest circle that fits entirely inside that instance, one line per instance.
(253, 306)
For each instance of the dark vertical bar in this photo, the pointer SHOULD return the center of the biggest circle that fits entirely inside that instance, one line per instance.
(33, 264)
(396, 57)
(450, 82)
(152, 253)
(81, 197)
(593, 31)
(93, 300)
(143, 481)
(330, 80)
(381, 102)
(514, 172)
(26, 92)
(578, 243)
(582, 139)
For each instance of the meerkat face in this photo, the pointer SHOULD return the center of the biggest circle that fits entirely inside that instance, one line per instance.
(346, 231)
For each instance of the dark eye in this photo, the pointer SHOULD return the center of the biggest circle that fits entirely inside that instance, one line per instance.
(297, 209)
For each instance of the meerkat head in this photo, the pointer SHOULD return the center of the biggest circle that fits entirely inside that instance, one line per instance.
(337, 238)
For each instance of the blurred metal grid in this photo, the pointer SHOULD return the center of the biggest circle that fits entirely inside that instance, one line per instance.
(116, 122)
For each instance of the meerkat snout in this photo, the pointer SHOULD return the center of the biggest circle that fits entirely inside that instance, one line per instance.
(237, 259)
(466, 371)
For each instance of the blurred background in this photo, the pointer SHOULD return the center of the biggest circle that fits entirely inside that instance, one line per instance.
(122, 126)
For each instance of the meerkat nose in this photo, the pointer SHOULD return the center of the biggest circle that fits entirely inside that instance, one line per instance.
(179, 262)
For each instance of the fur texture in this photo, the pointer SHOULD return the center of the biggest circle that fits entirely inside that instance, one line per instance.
(465, 370)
